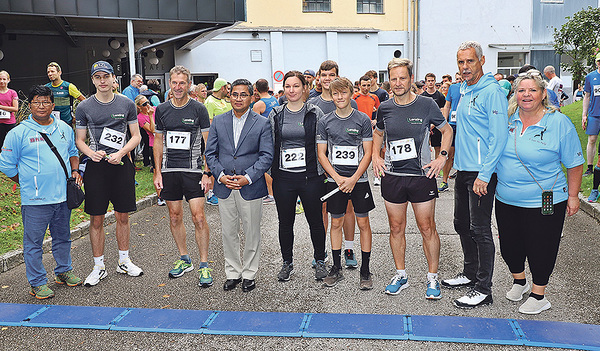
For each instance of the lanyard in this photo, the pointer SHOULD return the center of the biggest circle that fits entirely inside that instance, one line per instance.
(527, 169)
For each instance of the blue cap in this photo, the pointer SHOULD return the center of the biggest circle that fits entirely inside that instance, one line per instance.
(102, 66)
(309, 72)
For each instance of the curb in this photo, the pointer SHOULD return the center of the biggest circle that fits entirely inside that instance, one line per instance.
(14, 258)
(591, 208)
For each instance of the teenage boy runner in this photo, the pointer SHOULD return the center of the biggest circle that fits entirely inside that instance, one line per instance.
(345, 139)
(328, 71)
(110, 174)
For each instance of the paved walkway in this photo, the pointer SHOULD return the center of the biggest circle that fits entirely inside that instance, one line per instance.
(572, 290)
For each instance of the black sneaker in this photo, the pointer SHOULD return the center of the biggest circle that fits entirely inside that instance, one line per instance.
(335, 275)
(589, 172)
(320, 270)
(285, 272)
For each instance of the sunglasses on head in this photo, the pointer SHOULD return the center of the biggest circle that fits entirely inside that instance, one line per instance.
(145, 103)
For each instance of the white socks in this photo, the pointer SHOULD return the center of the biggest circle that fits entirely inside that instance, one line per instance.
(431, 276)
(123, 255)
(401, 272)
(99, 261)
(348, 245)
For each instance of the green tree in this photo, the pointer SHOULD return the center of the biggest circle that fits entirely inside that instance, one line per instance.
(579, 39)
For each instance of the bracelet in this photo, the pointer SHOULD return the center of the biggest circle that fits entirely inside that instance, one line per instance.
(208, 174)
(74, 170)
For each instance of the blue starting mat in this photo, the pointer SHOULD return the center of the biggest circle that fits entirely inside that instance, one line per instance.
(463, 329)
(13, 314)
(163, 321)
(80, 317)
(256, 323)
(560, 334)
(359, 326)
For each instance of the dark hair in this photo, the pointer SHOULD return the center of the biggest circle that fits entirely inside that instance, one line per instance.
(365, 78)
(447, 76)
(372, 74)
(526, 68)
(244, 82)
(153, 84)
(430, 75)
(262, 85)
(296, 74)
(328, 65)
(39, 90)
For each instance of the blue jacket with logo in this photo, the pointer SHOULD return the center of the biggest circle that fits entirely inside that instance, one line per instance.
(481, 127)
(41, 177)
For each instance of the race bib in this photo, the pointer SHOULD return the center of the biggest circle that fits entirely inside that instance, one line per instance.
(596, 90)
(112, 138)
(345, 155)
(293, 158)
(453, 116)
(403, 149)
(55, 114)
(178, 140)
(4, 114)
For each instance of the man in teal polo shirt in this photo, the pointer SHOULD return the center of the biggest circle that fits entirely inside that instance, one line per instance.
(64, 94)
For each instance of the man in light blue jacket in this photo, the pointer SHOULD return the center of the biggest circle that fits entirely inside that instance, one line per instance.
(28, 160)
(481, 134)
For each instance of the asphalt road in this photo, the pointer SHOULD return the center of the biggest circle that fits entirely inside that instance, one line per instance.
(572, 290)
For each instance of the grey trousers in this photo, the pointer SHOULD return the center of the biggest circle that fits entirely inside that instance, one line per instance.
(232, 210)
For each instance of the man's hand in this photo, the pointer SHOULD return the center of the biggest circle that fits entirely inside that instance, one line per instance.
(206, 183)
(435, 166)
(583, 122)
(346, 185)
(78, 178)
(480, 187)
(115, 158)
(158, 183)
(378, 166)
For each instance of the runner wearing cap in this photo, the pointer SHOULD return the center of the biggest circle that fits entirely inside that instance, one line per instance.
(216, 103)
(110, 174)
(309, 74)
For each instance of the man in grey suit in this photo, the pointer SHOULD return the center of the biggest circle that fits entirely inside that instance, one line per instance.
(239, 151)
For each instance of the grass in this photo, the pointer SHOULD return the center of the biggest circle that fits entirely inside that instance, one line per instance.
(574, 112)
(11, 227)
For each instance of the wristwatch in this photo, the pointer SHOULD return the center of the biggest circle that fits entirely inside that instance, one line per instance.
(208, 174)
(444, 153)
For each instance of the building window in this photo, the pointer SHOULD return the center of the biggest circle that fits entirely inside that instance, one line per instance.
(369, 6)
(509, 63)
(316, 5)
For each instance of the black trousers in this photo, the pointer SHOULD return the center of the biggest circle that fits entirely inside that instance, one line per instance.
(286, 189)
(527, 234)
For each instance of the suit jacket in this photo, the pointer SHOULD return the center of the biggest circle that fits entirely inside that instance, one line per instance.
(253, 155)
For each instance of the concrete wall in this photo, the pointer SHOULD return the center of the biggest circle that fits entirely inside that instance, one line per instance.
(444, 25)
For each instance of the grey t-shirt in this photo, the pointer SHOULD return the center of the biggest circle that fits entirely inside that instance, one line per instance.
(328, 106)
(181, 129)
(344, 138)
(406, 129)
(292, 138)
(107, 123)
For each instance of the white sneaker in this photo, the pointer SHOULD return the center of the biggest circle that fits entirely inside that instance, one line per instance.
(473, 299)
(517, 291)
(127, 267)
(533, 306)
(98, 273)
(456, 282)
(376, 181)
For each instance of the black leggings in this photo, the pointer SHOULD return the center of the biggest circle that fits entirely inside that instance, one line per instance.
(526, 233)
(4, 129)
(286, 190)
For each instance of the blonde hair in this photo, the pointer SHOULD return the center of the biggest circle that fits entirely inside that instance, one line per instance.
(7, 75)
(536, 77)
(138, 107)
(55, 65)
(341, 83)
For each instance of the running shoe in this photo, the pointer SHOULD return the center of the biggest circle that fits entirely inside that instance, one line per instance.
(534, 306)
(593, 195)
(459, 281)
(473, 299)
(286, 271)
(433, 290)
(98, 273)
(68, 278)
(366, 281)
(314, 262)
(397, 284)
(206, 279)
(443, 187)
(517, 291)
(320, 270)
(333, 277)
(589, 172)
(299, 207)
(351, 261)
(181, 267)
(213, 200)
(41, 292)
(127, 267)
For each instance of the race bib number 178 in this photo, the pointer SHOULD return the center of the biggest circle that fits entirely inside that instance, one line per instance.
(403, 149)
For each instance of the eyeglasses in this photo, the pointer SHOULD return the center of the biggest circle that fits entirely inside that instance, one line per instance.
(41, 103)
(145, 103)
(239, 96)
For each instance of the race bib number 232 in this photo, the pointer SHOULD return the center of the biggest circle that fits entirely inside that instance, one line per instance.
(112, 138)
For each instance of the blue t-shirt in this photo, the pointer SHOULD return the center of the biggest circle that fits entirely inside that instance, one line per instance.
(592, 87)
(542, 148)
(453, 97)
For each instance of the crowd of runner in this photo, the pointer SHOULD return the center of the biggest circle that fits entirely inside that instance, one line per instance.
(307, 149)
